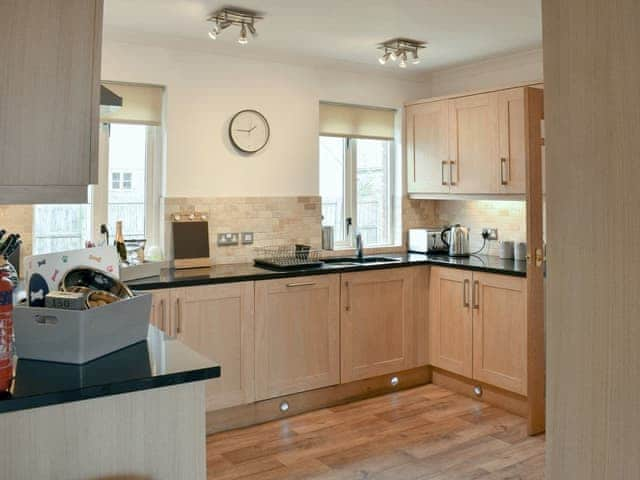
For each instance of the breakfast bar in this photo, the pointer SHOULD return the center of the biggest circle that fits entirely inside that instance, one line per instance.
(135, 413)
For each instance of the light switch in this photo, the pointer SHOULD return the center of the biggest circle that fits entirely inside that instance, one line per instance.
(247, 238)
(227, 239)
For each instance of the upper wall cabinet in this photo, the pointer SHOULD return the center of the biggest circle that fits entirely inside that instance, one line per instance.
(471, 145)
(49, 90)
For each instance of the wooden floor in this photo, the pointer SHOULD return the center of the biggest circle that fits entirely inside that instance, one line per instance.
(423, 433)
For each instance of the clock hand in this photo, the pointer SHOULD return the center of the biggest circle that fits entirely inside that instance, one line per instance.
(252, 128)
(239, 130)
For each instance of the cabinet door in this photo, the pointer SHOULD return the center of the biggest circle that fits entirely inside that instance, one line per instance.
(217, 321)
(297, 335)
(511, 120)
(428, 147)
(160, 311)
(473, 132)
(500, 331)
(50, 64)
(376, 322)
(450, 320)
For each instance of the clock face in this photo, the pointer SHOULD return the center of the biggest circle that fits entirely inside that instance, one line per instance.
(249, 131)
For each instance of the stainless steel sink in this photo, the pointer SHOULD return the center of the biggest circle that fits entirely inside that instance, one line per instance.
(350, 261)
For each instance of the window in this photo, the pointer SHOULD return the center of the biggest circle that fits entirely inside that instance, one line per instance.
(67, 227)
(356, 185)
(60, 227)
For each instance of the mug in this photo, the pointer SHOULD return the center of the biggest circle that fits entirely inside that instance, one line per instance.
(506, 249)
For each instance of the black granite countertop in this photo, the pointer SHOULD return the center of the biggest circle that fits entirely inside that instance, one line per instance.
(159, 361)
(170, 278)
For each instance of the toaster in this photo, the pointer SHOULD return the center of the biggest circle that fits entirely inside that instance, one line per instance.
(426, 240)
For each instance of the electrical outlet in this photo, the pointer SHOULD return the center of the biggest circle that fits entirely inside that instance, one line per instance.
(247, 238)
(492, 233)
(228, 239)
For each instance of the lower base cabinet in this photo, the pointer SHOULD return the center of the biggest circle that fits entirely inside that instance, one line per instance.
(478, 326)
(297, 335)
(217, 322)
(378, 322)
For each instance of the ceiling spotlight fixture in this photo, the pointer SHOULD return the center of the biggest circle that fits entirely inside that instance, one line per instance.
(226, 17)
(403, 60)
(400, 48)
(243, 40)
(384, 58)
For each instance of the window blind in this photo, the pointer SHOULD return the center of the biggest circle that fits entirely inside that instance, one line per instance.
(340, 120)
(141, 104)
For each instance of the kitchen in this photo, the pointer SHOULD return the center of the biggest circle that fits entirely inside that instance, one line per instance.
(332, 250)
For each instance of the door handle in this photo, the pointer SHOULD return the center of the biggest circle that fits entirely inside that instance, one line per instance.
(465, 293)
(163, 317)
(503, 163)
(451, 182)
(300, 284)
(476, 294)
(347, 294)
(444, 165)
(179, 315)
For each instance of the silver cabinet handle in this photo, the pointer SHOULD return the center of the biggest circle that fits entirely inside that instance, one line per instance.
(163, 325)
(504, 180)
(465, 293)
(451, 182)
(444, 165)
(476, 294)
(300, 284)
(347, 306)
(179, 315)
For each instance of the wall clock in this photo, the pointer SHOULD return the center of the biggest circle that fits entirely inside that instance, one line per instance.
(249, 131)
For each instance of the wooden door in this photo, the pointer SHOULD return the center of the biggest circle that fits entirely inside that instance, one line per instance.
(500, 331)
(50, 87)
(473, 132)
(376, 322)
(217, 321)
(450, 320)
(536, 391)
(297, 334)
(512, 137)
(428, 147)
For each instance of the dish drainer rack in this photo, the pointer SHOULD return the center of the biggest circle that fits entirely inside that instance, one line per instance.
(288, 257)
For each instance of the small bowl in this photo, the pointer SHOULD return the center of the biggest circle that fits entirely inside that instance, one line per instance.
(100, 298)
(93, 279)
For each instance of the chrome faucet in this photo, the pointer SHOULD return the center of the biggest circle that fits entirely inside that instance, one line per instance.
(359, 245)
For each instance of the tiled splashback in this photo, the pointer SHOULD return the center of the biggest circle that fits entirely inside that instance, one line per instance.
(509, 217)
(19, 219)
(273, 220)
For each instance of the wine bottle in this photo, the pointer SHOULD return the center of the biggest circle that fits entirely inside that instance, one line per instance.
(119, 242)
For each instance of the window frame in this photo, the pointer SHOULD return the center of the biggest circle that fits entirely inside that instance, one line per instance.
(350, 192)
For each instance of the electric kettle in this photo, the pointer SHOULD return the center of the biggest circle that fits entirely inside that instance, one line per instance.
(456, 239)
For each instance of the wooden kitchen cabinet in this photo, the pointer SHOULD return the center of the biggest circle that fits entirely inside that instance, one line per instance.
(377, 322)
(297, 334)
(49, 113)
(450, 320)
(500, 331)
(473, 131)
(428, 168)
(478, 326)
(482, 150)
(160, 310)
(218, 322)
(512, 141)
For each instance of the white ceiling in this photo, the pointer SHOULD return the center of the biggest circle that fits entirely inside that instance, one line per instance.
(341, 32)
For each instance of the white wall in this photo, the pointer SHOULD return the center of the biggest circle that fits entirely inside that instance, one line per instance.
(205, 90)
(496, 72)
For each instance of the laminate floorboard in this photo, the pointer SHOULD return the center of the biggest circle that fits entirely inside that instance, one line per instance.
(425, 433)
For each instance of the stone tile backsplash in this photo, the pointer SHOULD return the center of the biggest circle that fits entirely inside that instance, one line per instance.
(273, 220)
(509, 217)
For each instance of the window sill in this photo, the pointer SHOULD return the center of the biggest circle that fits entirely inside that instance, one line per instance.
(341, 251)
